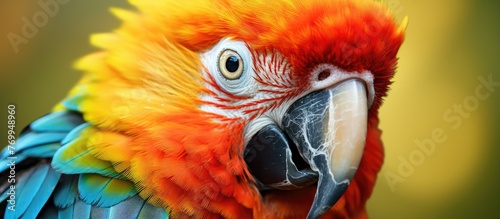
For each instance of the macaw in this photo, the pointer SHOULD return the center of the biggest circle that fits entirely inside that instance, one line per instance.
(215, 109)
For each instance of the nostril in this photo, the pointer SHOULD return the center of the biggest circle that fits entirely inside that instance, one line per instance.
(323, 75)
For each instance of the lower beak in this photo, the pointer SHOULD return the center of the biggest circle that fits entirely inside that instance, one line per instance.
(328, 131)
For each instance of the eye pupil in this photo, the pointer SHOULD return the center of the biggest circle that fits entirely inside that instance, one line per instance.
(232, 64)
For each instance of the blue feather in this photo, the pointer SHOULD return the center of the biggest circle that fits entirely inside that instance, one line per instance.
(66, 192)
(42, 151)
(78, 210)
(129, 208)
(73, 102)
(66, 213)
(101, 191)
(42, 195)
(31, 139)
(5, 162)
(20, 176)
(27, 188)
(96, 212)
(4, 195)
(61, 121)
(149, 211)
(74, 133)
(81, 210)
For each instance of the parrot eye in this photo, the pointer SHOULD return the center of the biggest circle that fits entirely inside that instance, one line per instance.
(230, 64)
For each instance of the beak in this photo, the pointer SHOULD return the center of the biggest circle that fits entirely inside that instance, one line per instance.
(323, 142)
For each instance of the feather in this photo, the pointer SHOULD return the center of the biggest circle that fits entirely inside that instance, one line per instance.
(73, 102)
(21, 175)
(78, 210)
(75, 133)
(74, 157)
(66, 193)
(96, 212)
(101, 191)
(61, 121)
(129, 208)
(5, 162)
(137, 208)
(4, 195)
(42, 195)
(32, 139)
(150, 211)
(66, 213)
(27, 188)
(81, 210)
(42, 151)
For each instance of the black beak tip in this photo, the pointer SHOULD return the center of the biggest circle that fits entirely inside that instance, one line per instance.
(327, 194)
(317, 212)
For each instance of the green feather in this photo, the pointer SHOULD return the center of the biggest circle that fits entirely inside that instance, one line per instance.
(75, 158)
(102, 191)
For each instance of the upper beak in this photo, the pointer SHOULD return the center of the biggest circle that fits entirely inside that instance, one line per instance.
(328, 131)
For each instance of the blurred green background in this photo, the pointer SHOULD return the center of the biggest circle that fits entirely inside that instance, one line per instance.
(449, 45)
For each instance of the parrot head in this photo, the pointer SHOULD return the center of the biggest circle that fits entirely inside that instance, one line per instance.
(241, 109)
